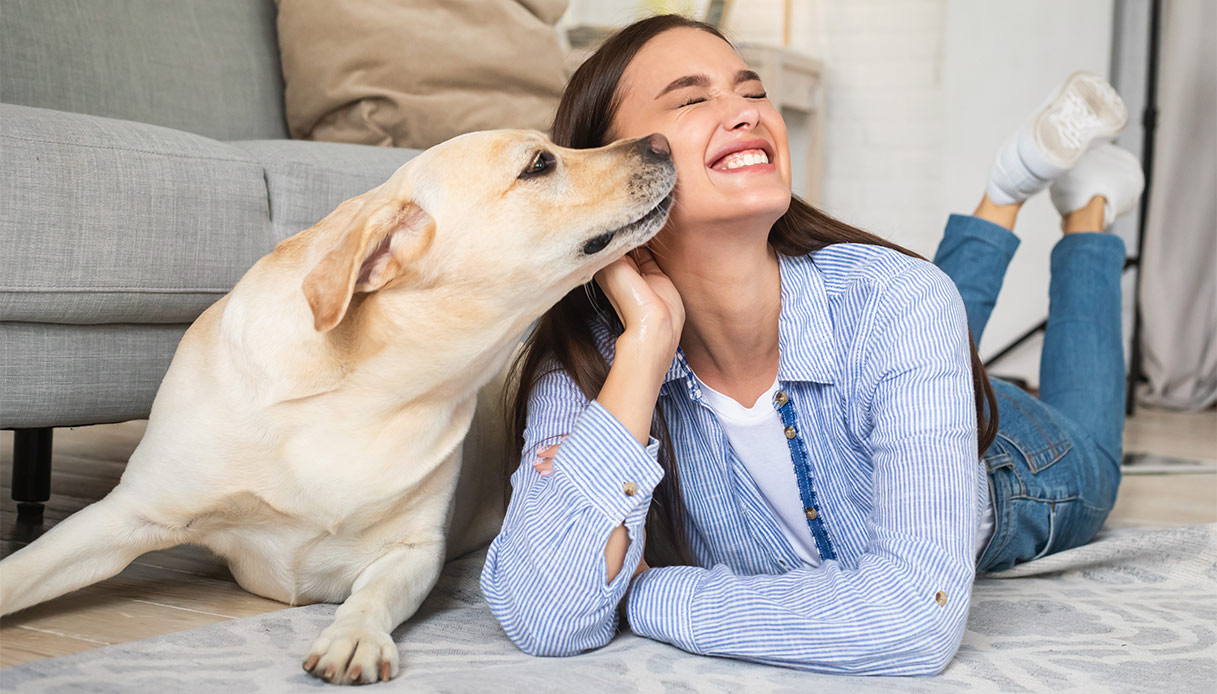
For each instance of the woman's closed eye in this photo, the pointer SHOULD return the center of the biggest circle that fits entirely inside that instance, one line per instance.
(698, 99)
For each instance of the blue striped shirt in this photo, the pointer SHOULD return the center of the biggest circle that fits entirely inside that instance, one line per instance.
(874, 360)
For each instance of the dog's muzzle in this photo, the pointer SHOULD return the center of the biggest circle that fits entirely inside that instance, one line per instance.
(657, 214)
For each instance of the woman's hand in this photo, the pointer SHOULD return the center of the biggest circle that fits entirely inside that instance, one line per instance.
(647, 303)
(544, 460)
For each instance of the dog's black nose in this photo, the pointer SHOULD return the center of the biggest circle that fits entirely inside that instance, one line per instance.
(659, 144)
(655, 146)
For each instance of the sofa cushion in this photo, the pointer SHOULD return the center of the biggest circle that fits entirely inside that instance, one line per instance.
(64, 375)
(109, 221)
(307, 180)
(209, 67)
(413, 74)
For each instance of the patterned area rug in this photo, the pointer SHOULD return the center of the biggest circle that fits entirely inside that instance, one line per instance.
(1135, 610)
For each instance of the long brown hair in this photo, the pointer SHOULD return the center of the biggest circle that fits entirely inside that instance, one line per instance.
(563, 336)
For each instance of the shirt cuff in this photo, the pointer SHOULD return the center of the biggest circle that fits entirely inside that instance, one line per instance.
(659, 605)
(604, 461)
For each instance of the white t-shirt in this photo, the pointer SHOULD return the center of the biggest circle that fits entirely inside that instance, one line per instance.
(757, 436)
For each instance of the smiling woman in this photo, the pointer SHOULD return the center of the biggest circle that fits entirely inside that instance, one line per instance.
(766, 434)
(674, 77)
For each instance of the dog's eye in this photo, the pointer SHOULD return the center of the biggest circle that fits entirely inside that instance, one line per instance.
(542, 163)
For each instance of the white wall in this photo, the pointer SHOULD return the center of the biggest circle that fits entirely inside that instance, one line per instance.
(1002, 60)
(920, 95)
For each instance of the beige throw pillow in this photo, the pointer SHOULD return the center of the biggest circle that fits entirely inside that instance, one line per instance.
(414, 73)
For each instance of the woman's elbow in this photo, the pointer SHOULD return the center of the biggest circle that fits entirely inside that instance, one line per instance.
(552, 637)
(551, 643)
(939, 645)
(537, 628)
(934, 660)
(923, 648)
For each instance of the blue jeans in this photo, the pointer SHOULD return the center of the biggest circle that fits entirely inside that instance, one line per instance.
(1055, 465)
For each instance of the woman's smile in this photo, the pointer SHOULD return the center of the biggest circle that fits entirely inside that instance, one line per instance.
(744, 156)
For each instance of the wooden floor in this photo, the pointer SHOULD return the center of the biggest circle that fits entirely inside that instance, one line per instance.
(187, 587)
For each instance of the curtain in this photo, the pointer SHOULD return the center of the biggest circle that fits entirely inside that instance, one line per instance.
(1178, 297)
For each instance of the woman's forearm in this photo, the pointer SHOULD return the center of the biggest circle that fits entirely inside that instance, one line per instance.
(632, 386)
(541, 572)
(629, 394)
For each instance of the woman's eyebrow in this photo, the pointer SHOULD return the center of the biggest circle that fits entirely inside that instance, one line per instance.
(686, 81)
(746, 76)
(703, 81)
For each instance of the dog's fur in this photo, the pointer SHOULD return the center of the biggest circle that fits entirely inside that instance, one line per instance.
(309, 427)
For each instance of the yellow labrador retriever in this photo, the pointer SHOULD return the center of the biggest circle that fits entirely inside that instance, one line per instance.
(309, 427)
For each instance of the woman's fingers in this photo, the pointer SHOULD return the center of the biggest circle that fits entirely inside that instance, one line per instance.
(543, 462)
(625, 288)
(660, 284)
(618, 276)
(645, 261)
(645, 300)
(606, 282)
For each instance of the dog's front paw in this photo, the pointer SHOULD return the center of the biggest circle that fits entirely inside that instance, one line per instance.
(352, 653)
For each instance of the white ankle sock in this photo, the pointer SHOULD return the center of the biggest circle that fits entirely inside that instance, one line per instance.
(1109, 171)
(1010, 179)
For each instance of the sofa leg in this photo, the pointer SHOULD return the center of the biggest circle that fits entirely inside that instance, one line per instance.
(31, 470)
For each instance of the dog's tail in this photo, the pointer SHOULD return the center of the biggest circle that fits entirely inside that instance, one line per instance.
(89, 546)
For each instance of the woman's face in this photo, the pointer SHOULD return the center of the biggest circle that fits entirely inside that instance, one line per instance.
(728, 142)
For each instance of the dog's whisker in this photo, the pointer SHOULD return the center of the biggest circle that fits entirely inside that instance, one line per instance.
(601, 314)
(658, 246)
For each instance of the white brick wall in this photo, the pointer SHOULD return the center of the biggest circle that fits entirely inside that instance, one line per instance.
(882, 63)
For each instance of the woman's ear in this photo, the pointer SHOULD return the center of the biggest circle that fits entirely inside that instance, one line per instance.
(373, 248)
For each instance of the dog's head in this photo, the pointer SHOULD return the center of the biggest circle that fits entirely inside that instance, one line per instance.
(501, 212)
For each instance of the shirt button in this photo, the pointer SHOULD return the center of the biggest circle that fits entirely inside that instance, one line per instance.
(631, 489)
(810, 513)
(940, 598)
(791, 432)
(780, 398)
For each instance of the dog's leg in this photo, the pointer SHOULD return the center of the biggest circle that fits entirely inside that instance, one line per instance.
(89, 546)
(358, 647)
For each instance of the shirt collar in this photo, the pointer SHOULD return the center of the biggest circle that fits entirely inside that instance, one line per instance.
(805, 344)
(805, 349)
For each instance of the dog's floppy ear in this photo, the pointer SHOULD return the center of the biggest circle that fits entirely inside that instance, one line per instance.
(372, 249)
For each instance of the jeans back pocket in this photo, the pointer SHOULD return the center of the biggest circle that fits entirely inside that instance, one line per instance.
(1030, 426)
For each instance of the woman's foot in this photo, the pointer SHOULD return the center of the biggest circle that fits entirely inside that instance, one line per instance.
(1084, 112)
(1107, 171)
(1001, 215)
(1087, 219)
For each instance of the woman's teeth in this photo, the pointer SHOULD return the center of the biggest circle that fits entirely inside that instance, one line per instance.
(746, 157)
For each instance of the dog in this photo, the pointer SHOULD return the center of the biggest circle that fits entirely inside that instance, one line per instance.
(309, 427)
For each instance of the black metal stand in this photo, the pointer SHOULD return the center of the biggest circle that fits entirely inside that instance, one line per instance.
(1149, 123)
(31, 470)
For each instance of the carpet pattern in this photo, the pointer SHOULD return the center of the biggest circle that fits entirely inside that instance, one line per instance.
(1135, 610)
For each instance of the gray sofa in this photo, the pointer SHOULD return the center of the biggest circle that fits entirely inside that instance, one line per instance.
(144, 167)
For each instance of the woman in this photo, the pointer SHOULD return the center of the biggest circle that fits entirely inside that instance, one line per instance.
(785, 414)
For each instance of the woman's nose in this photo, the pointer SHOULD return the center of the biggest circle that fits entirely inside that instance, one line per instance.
(741, 112)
